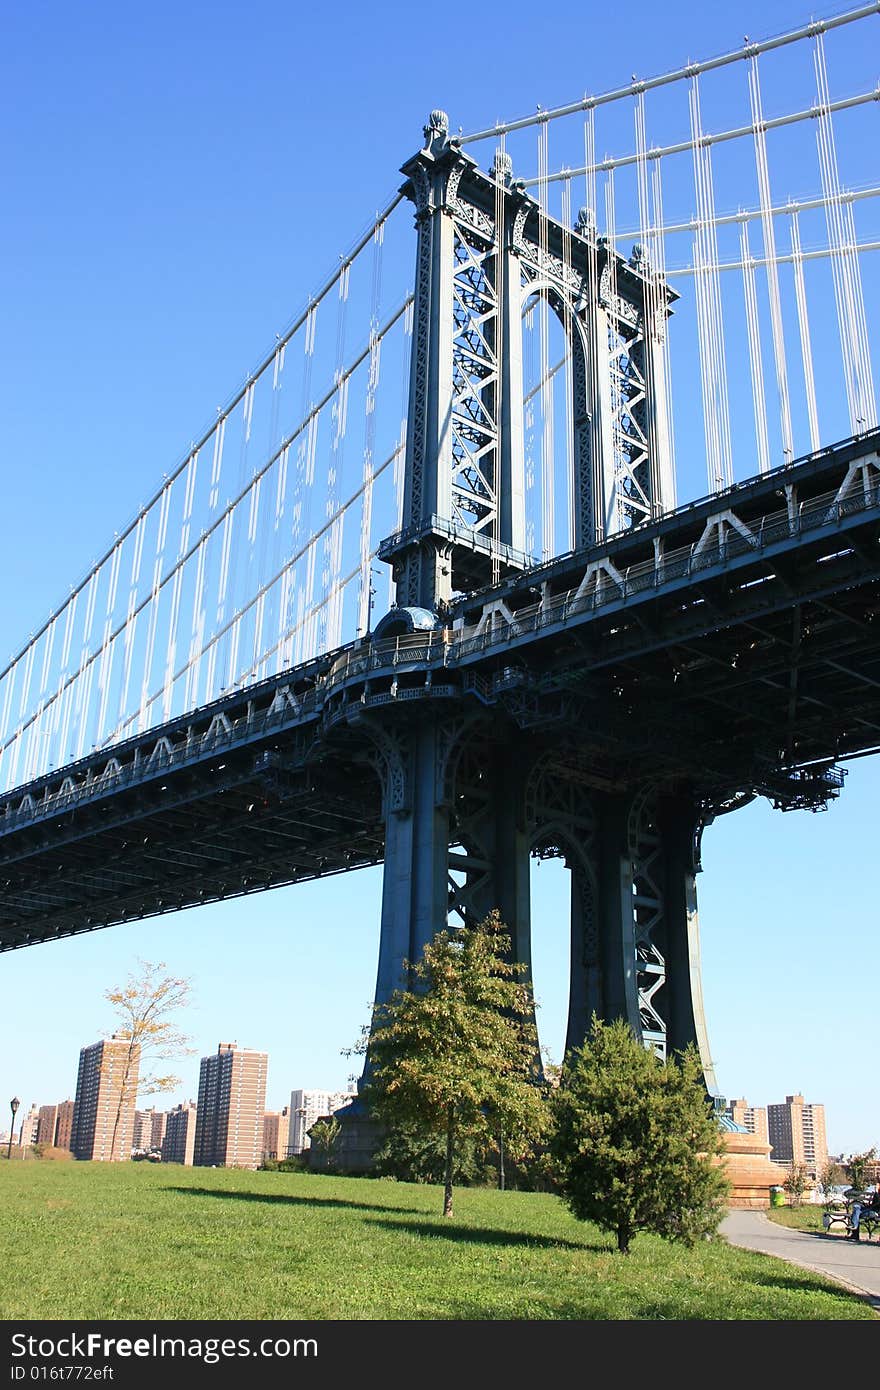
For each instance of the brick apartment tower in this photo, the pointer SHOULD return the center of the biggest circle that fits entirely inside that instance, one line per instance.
(47, 1124)
(149, 1128)
(142, 1130)
(106, 1088)
(64, 1125)
(797, 1133)
(276, 1131)
(157, 1131)
(178, 1145)
(231, 1105)
(54, 1124)
(751, 1117)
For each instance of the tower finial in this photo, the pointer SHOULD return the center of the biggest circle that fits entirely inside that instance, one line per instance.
(436, 129)
(502, 168)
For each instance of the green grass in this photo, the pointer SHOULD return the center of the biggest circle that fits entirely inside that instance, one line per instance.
(805, 1218)
(809, 1218)
(144, 1241)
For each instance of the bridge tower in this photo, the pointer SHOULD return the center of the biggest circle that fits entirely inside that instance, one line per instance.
(469, 796)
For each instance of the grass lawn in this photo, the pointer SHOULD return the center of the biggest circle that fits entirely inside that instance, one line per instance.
(805, 1218)
(809, 1218)
(145, 1241)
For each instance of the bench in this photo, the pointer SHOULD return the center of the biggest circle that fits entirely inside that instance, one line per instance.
(869, 1221)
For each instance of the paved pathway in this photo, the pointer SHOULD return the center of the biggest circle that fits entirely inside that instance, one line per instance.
(850, 1262)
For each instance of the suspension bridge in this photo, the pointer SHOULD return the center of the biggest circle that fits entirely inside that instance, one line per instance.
(548, 526)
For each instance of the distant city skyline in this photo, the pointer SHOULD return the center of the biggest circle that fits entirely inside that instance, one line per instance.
(795, 1127)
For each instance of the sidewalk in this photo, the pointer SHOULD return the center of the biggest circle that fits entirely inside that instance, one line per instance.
(853, 1263)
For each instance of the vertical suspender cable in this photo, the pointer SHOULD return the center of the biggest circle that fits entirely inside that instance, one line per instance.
(763, 172)
(494, 479)
(108, 647)
(129, 633)
(713, 361)
(800, 290)
(616, 349)
(183, 547)
(332, 595)
(146, 674)
(281, 476)
(756, 360)
(568, 383)
(84, 679)
(548, 484)
(238, 536)
(9, 681)
(594, 393)
(365, 552)
(652, 287)
(668, 422)
(66, 704)
(849, 297)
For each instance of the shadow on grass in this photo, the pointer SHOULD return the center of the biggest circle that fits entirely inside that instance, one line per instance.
(480, 1235)
(285, 1199)
(800, 1284)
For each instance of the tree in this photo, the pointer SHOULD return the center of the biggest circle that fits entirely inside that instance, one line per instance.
(457, 1055)
(635, 1144)
(411, 1153)
(796, 1183)
(145, 1006)
(831, 1176)
(323, 1136)
(859, 1167)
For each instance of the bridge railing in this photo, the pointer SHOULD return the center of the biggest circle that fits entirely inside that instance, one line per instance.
(446, 645)
(720, 544)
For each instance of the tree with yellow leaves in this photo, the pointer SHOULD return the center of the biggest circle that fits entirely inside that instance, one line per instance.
(145, 1006)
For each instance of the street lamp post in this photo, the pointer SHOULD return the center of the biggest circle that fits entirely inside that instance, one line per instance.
(13, 1106)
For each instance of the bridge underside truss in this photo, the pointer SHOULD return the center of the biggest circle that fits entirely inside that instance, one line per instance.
(602, 708)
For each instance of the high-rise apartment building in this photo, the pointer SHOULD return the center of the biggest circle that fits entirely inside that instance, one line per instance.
(157, 1130)
(231, 1105)
(276, 1136)
(797, 1133)
(106, 1089)
(306, 1107)
(178, 1144)
(47, 1123)
(54, 1123)
(149, 1129)
(64, 1125)
(142, 1131)
(28, 1128)
(751, 1117)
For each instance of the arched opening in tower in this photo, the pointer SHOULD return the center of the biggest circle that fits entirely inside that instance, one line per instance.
(550, 881)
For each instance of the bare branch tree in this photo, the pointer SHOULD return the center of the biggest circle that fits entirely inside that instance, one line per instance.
(145, 1006)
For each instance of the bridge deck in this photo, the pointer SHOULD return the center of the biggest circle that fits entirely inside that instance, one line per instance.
(733, 645)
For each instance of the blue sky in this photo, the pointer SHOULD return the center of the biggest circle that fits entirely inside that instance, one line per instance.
(176, 180)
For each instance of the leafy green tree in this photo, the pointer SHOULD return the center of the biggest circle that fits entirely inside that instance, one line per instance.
(412, 1153)
(323, 1136)
(456, 1058)
(859, 1166)
(831, 1176)
(635, 1143)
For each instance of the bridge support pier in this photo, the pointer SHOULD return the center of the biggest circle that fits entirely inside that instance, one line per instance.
(635, 950)
(462, 818)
